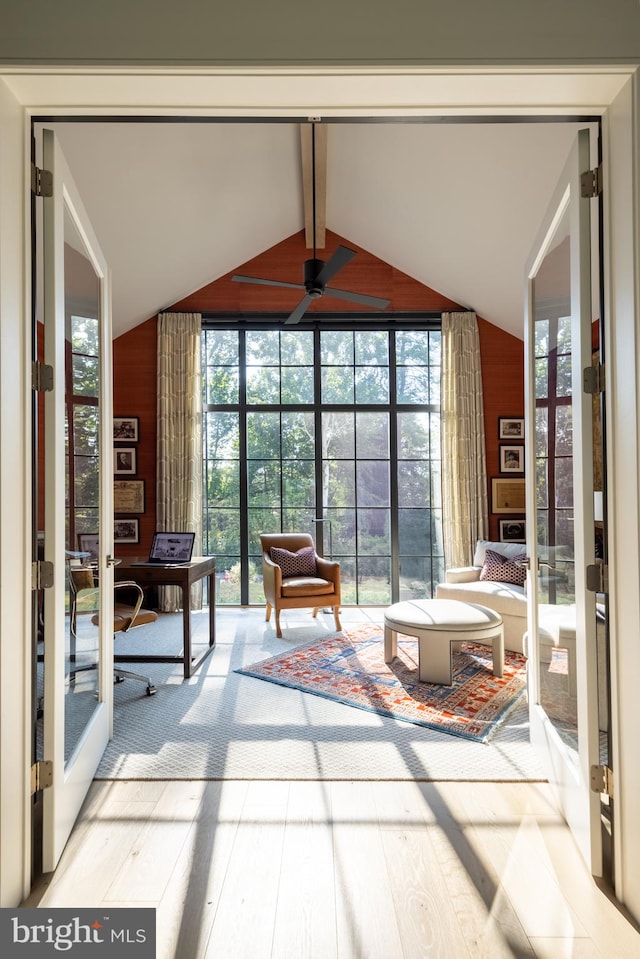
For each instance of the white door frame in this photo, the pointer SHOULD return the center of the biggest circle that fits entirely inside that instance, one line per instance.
(622, 281)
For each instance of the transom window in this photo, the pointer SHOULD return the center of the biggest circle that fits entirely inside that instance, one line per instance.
(335, 432)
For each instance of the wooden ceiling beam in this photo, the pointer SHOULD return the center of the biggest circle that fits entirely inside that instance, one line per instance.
(306, 147)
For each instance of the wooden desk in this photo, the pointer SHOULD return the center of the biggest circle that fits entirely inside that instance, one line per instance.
(184, 577)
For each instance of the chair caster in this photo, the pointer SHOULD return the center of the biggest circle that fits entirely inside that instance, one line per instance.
(151, 690)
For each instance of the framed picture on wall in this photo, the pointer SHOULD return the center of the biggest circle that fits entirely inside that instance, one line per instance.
(512, 531)
(511, 428)
(511, 459)
(128, 496)
(125, 429)
(126, 531)
(507, 496)
(124, 460)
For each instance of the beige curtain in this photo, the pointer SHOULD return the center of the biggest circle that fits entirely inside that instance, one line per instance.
(464, 468)
(179, 437)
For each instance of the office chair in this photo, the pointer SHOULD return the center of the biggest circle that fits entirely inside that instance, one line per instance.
(125, 617)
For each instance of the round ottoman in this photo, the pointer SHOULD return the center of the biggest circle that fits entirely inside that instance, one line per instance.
(437, 623)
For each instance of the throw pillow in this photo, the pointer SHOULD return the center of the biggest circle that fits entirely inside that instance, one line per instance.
(504, 569)
(302, 563)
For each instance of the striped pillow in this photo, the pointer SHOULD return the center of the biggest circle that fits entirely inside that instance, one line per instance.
(504, 569)
(302, 563)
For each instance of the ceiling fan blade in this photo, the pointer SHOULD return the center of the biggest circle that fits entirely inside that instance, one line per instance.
(300, 310)
(357, 297)
(256, 279)
(339, 259)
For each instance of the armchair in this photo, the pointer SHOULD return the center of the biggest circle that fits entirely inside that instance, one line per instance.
(317, 586)
(125, 617)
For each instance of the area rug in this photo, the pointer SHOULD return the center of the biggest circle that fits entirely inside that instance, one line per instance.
(350, 669)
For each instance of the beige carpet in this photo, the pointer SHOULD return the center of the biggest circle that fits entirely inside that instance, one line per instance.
(221, 725)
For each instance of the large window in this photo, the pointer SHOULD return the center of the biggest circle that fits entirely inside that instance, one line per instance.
(554, 455)
(335, 432)
(82, 425)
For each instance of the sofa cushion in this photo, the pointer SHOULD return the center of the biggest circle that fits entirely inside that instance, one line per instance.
(505, 598)
(501, 569)
(301, 563)
(512, 550)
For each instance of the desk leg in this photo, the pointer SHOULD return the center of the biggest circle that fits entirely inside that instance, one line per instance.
(212, 609)
(186, 629)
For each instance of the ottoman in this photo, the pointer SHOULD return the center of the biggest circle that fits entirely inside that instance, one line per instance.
(437, 624)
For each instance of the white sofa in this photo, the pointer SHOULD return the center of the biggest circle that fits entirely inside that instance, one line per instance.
(508, 600)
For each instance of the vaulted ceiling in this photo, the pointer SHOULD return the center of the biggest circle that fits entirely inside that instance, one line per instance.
(454, 205)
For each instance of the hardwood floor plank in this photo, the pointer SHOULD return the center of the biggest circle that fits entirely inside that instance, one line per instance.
(305, 922)
(516, 849)
(428, 927)
(365, 914)
(244, 920)
(85, 873)
(490, 924)
(188, 906)
(567, 949)
(152, 858)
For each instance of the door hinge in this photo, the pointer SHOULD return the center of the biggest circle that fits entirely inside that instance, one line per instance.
(41, 181)
(41, 377)
(602, 780)
(41, 574)
(41, 775)
(598, 578)
(591, 183)
(593, 379)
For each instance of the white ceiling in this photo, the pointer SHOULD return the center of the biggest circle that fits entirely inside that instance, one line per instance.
(454, 205)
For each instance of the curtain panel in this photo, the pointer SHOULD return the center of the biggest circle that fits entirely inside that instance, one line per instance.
(179, 437)
(464, 468)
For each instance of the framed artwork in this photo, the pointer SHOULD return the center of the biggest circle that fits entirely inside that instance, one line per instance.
(126, 531)
(124, 460)
(125, 429)
(89, 543)
(510, 428)
(507, 496)
(511, 459)
(128, 496)
(512, 530)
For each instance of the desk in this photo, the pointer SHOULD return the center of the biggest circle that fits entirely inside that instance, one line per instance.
(183, 576)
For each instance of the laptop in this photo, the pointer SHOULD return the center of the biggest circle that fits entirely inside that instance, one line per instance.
(169, 549)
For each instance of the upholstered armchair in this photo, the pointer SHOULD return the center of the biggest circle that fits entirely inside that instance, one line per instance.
(295, 577)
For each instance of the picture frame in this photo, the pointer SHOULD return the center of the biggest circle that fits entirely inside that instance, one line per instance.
(126, 429)
(128, 496)
(512, 530)
(124, 460)
(507, 495)
(126, 531)
(89, 543)
(511, 428)
(511, 459)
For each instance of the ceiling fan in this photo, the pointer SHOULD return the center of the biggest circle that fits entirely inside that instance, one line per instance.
(317, 273)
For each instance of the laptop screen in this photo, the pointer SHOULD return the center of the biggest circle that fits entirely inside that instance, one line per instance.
(172, 547)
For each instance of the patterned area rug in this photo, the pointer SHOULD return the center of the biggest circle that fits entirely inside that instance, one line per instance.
(350, 669)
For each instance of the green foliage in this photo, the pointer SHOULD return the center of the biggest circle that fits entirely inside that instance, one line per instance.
(355, 447)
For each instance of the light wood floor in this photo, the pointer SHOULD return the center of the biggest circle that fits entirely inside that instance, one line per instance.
(315, 870)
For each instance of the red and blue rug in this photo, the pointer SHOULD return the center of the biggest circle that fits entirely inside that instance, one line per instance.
(350, 668)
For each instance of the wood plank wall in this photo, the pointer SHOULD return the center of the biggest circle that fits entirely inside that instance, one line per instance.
(135, 351)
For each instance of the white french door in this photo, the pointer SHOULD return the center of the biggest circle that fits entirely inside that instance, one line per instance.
(560, 504)
(77, 444)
